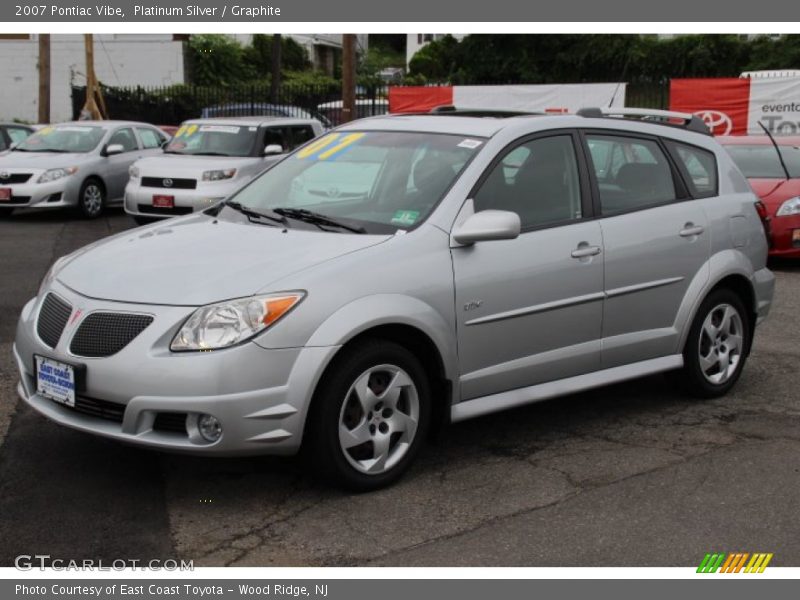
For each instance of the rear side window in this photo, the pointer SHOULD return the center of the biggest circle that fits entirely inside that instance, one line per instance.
(631, 173)
(700, 168)
(150, 138)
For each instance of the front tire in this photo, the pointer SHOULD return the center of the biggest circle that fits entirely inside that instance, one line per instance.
(369, 416)
(92, 199)
(717, 346)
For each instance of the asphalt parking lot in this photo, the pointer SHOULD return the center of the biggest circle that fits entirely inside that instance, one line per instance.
(629, 475)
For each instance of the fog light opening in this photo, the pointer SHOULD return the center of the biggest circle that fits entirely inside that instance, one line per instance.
(209, 427)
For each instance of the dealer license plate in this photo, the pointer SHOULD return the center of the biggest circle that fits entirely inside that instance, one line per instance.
(164, 201)
(55, 380)
(5, 194)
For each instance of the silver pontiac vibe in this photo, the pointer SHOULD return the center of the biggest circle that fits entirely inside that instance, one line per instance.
(401, 272)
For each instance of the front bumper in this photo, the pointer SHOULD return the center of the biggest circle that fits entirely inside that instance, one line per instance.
(55, 194)
(260, 396)
(782, 229)
(139, 200)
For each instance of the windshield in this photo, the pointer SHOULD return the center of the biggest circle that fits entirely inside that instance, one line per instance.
(63, 138)
(761, 162)
(381, 181)
(213, 140)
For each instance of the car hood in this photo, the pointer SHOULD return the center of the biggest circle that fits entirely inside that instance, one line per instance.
(199, 260)
(43, 160)
(174, 165)
(774, 192)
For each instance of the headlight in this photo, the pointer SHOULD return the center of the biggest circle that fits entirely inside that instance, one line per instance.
(218, 174)
(790, 207)
(50, 275)
(229, 323)
(53, 174)
(133, 171)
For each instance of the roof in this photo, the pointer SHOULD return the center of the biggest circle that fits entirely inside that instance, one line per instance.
(758, 140)
(244, 121)
(436, 123)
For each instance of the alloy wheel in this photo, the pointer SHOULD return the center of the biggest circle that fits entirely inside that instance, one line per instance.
(721, 343)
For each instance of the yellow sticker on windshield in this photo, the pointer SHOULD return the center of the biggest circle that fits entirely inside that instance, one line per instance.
(318, 145)
(46, 130)
(191, 129)
(346, 141)
(181, 131)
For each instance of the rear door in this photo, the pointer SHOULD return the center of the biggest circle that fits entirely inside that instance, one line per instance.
(116, 166)
(655, 241)
(529, 310)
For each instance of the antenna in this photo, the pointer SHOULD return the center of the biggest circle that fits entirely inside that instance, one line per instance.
(777, 149)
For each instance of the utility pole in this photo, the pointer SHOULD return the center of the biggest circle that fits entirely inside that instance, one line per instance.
(95, 107)
(275, 83)
(348, 77)
(44, 78)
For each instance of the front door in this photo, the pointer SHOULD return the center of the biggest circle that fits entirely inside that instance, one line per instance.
(529, 310)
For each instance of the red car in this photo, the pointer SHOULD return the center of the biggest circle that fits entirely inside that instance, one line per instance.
(775, 181)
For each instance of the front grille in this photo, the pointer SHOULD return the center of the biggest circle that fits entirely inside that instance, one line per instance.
(101, 409)
(15, 178)
(106, 333)
(162, 210)
(170, 421)
(168, 183)
(16, 200)
(53, 317)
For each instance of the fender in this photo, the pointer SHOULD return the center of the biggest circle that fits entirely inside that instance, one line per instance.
(390, 309)
(719, 266)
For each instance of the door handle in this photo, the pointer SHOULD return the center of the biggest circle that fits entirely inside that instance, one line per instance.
(691, 230)
(585, 251)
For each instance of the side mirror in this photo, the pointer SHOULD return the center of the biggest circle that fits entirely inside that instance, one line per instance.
(273, 149)
(113, 149)
(488, 225)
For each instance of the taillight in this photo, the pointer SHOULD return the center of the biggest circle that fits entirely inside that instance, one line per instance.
(765, 221)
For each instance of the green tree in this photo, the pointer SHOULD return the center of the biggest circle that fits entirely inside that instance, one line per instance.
(259, 55)
(216, 60)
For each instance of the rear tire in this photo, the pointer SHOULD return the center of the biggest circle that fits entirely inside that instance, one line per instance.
(717, 346)
(369, 416)
(92, 198)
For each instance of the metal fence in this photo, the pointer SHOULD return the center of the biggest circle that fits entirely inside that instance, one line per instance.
(172, 105)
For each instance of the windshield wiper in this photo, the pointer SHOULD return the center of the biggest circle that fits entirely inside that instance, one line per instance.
(254, 214)
(41, 150)
(207, 154)
(315, 218)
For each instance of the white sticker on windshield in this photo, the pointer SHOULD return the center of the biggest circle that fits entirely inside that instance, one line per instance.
(471, 144)
(252, 129)
(220, 128)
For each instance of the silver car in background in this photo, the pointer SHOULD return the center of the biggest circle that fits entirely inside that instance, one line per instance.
(81, 164)
(478, 262)
(209, 159)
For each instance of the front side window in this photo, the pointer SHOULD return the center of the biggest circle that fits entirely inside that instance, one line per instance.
(631, 173)
(124, 138)
(381, 181)
(63, 138)
(538, 180)
(199, 139)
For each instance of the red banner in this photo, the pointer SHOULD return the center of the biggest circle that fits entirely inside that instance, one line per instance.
(722, 103)
(413, 99)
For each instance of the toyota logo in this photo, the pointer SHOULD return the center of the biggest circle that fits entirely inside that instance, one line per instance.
(5, 175)
(717, 121)
(167, 182)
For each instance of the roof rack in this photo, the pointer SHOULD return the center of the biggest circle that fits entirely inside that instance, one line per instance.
(662, 117)
(449, 109)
